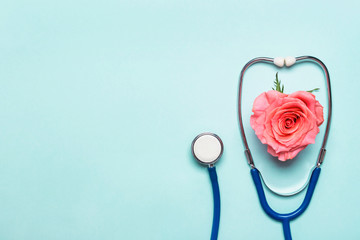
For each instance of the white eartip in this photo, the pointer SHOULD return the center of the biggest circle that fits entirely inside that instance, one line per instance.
(279, 61)
(289, 61)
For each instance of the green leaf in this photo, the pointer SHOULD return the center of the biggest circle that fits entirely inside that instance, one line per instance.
(280, 87)
(313, 90)
(277, 84)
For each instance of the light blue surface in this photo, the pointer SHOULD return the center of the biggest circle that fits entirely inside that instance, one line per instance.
(100, 100)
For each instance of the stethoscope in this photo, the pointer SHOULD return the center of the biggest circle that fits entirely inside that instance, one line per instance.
(204, 146)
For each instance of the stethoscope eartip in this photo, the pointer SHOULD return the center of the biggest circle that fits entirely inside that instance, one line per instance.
(287, 61)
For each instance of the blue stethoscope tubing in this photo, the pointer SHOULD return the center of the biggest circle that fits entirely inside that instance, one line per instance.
(285, 218)
(255, 173)
(216, 196)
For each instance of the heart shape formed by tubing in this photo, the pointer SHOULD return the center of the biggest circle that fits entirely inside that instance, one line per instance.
(255, 173)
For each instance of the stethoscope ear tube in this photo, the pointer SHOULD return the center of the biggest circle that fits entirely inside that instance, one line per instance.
(289, 61)
(285, 218)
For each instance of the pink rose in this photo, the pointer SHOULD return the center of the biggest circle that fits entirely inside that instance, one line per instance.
(287, 123)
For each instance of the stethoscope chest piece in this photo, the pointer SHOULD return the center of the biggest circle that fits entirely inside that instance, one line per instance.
(207, 148)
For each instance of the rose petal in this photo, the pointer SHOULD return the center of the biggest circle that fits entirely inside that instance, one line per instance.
(313, 105)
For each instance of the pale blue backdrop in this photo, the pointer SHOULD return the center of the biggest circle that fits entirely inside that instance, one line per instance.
(100, 100)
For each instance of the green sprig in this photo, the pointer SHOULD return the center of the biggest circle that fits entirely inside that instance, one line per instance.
(313, 90)
(277, 84)
(280, 87)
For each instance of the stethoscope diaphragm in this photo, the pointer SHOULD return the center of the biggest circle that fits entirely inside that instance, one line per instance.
(207, 148)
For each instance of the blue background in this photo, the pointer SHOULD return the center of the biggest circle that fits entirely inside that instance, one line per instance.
(100, 100)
